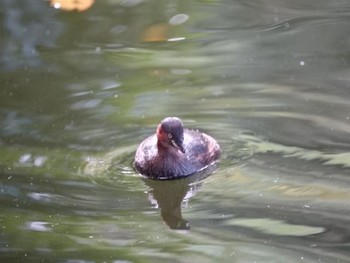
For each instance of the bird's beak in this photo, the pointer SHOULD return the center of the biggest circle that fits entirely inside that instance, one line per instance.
(178, 146)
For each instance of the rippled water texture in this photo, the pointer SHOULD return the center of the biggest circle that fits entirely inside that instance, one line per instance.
(80, 90)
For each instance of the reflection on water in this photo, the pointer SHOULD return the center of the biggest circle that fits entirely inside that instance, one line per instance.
(169, 196)
(26, 31)
(270, 81)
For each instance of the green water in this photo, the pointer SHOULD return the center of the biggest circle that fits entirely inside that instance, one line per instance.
(79, 91)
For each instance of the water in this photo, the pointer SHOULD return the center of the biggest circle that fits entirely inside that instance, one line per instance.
(79, 91)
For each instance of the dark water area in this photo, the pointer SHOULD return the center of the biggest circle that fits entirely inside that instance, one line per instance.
(270, 80)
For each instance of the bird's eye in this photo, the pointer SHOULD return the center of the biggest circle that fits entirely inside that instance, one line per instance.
(170, 136)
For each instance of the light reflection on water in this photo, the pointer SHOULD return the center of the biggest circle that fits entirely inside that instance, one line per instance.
(269, 81)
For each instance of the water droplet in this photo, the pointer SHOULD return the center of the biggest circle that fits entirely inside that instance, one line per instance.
(178, 19)
(57, 5)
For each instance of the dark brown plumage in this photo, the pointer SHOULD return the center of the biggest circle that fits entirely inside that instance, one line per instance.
(175, 152)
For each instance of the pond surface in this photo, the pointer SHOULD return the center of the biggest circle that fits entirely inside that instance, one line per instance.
(270, 80)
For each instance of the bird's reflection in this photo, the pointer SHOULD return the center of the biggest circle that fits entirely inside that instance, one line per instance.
(171, 195)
